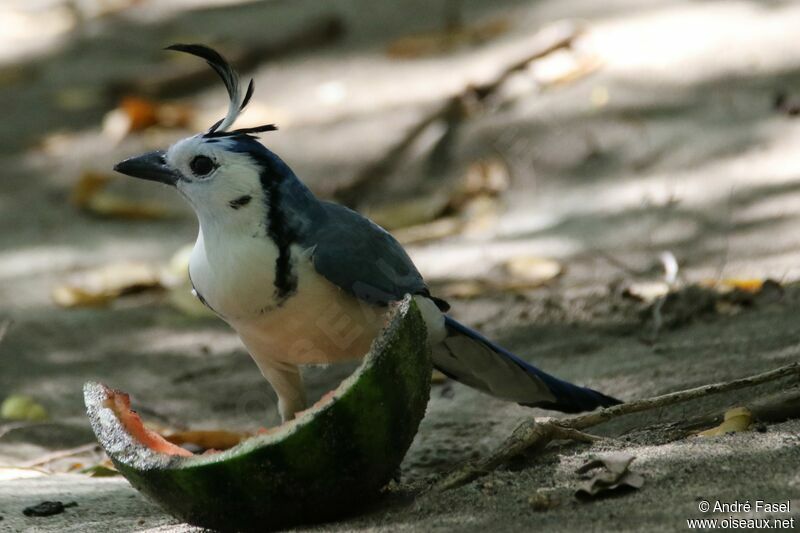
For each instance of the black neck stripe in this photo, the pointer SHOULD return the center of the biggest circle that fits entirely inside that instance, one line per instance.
(282, 236)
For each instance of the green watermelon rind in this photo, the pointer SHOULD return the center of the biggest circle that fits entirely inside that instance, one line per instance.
(326, 463)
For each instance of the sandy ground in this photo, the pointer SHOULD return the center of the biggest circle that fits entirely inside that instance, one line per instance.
(673, 144)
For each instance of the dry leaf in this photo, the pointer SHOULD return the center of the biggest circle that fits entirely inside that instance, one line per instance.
(607, 473)
(116, 125)
(78, 98)
(102, 8)
(438, 229)
(114, 206)
(100, 470)
(207, 439)
(480, 214)
(614, 462)
(184, 300)
(485, 177)
(543, 500)
(472, 201)
(89, 194)
(735, 420)
(102, 285)
(176, 277)
(646, 291)
(7, 473)
(409, 212)
(177, 270)
(432, 43)
(22, 407)
(532, 271)
(515, 275)
(477, 196)
(564, 67)
(135, 114)
(143, 113)
(465, 289)
(746, 285)
(438, 377)
(88, 185)
(599, 96)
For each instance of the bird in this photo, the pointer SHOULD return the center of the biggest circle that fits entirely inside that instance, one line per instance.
(306, 281)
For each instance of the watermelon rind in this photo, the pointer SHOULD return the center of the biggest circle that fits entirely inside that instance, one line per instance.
(328, 462)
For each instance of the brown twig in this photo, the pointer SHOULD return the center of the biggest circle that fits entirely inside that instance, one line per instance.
(60, 454)
(604, 415)
(453, 110)
(773, 408)
(536, 435)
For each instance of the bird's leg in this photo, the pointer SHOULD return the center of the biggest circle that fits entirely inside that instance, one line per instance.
(285, 378)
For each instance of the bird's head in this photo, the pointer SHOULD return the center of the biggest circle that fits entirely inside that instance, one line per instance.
(220, 171)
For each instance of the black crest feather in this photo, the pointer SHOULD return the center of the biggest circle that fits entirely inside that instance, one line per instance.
(230, 78)
(248, 95)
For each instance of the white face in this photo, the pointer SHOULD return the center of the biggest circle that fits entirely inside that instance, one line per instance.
(217, 181)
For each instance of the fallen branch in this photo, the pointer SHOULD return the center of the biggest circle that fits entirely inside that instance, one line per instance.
(773, 408)
(533, 435)
(453, 110)
(60, 454)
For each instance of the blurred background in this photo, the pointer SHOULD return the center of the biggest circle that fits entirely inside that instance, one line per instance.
(609, 188)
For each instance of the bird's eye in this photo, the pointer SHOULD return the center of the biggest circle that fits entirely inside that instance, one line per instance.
(201, 165)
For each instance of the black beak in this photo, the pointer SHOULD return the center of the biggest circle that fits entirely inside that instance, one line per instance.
(150, 166)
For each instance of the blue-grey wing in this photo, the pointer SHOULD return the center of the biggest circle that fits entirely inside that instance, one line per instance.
(360, 257)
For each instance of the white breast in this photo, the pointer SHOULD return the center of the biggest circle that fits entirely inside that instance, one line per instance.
(235, 276)
(318, 323)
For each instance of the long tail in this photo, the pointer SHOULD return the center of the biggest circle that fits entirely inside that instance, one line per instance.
(467, 356)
